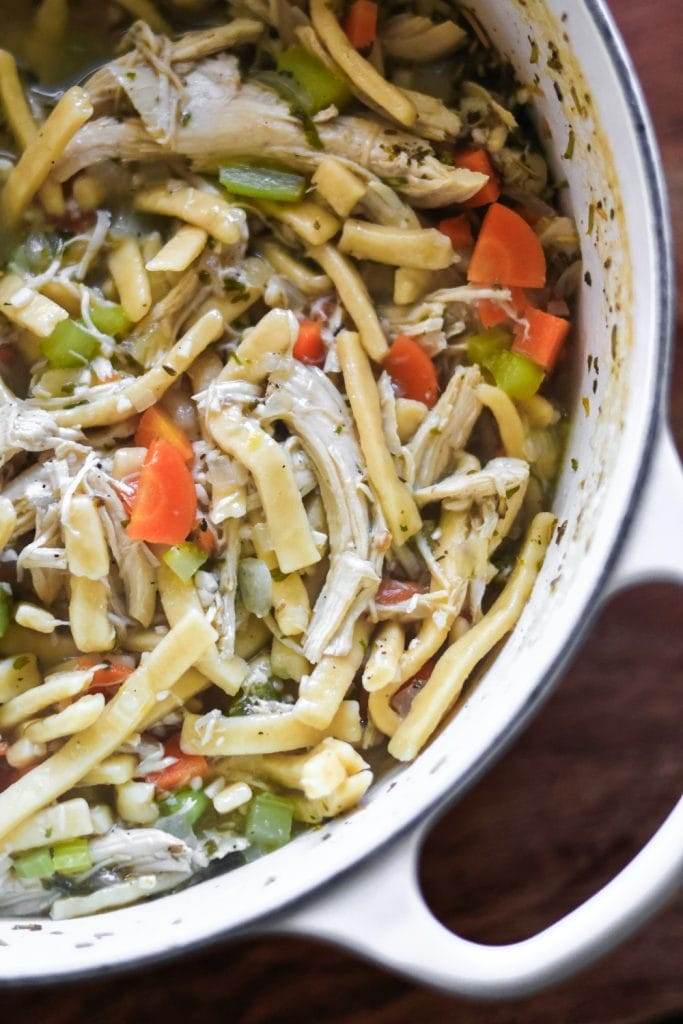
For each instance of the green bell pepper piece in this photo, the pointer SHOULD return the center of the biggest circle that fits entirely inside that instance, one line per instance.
(184, 559)
(70, 344)
(269, 821)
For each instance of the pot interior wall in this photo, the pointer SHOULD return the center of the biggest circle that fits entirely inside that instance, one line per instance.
(607, 193)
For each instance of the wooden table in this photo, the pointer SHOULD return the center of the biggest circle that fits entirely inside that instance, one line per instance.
(566, 808)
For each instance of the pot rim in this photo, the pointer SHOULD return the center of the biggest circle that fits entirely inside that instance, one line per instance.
(657, 200)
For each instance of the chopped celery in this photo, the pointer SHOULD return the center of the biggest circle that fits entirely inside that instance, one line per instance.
(246, 703)
(72, 857)
(5, 610)
(256, 586)
(322, 87)
(286, 87)
(109, 318)
(298, 99)
(516, 375)
(35, 254)
(269, 821)
(242, 179)
(69, 345)
(481, 347)
(184, 559)
(191, 803)
(34, 863)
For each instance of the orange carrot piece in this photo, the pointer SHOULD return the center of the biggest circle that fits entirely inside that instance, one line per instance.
(544, 338)
(458, 230)
(185, 768)
(155, 423)
(412, 369)
(309, 347)
(361, 24)
(479, 160)
(113, 675)
(507, 252)
(492, 313)
(205, 538)
(165, 506)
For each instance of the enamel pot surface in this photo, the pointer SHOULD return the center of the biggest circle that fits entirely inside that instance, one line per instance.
(618, 503)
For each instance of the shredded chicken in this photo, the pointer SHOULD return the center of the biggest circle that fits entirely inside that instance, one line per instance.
(446, 428)
(224, 112)
(307, 402)
(502, 477)
(27, 429)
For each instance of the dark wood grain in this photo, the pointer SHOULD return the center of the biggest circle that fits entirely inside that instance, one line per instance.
(566, 808)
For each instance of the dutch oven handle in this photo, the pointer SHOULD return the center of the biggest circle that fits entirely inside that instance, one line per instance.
(379, 911)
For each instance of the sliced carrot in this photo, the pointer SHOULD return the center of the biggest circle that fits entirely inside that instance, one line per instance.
(128, 497)
(507, 252)
(492, 313)
(205, 538)
(361, 24)
(165, 506)
(111, 675)
(309, 347)
(530, 216)
(155, 423)
(391, 591)
(185, 768)
(544, 338)
(458, 230)
(412, 370)
(479, 160)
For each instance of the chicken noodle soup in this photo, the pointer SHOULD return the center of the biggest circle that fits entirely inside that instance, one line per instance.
(284, 287)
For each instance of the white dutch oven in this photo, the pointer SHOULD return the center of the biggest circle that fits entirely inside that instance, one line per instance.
(619, 503)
